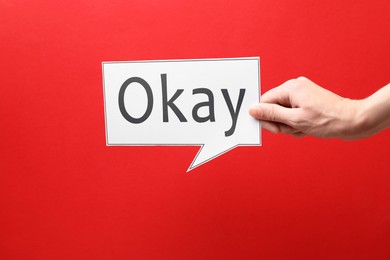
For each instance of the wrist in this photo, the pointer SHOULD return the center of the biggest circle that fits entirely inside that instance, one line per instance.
(375, 112)
(366, 122)
(352, 119)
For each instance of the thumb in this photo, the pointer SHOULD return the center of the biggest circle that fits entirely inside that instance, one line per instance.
(272, 112)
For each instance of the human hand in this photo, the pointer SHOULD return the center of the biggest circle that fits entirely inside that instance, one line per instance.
(300, 107)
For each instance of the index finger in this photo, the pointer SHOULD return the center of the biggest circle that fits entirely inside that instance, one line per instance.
(279, 95)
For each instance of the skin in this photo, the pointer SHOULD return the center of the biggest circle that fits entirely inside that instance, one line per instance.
(300, 107)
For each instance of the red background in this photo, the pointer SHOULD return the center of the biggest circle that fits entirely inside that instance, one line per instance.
(65, 195)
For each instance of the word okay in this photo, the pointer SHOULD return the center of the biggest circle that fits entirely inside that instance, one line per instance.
(169, 103)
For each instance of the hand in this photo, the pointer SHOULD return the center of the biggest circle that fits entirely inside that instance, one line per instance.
(300, 107)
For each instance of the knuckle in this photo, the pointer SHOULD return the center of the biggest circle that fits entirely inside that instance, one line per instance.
(271, 113)
(293, 84)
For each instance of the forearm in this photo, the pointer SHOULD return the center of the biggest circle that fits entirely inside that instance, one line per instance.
(374, 113)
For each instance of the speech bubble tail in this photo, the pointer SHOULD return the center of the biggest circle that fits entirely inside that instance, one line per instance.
(208, 152)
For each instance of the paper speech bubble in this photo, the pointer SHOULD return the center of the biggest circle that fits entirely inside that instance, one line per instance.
(182, 102)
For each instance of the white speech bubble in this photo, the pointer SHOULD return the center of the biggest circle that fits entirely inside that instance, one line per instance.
(183, 102)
